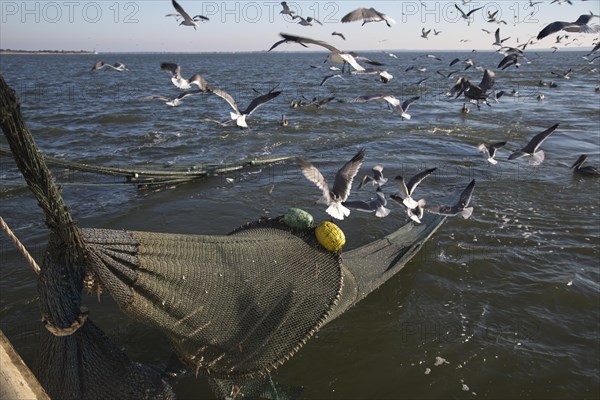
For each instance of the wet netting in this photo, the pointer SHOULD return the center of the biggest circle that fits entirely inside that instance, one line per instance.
(234, 306)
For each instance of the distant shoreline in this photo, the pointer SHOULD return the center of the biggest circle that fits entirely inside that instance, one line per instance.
(2, 51)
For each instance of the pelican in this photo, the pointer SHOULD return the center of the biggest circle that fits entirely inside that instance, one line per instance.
(181, 82)
(333, 198)
(187, 20)
(531, 149)
(588, 170)
(240, 116)
(367, 15)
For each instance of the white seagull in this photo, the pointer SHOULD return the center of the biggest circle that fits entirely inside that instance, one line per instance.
(367, 15)
(286, 10)
(376, 205)
(489, 152)
(341, 186)
(376, 180)
(240, 116)
(174, 102)
(531, 149)
(119, 67)
(181, 82)
(460, 208)
(187, 20)
(335, 55)
(406, 190)
(403, 108)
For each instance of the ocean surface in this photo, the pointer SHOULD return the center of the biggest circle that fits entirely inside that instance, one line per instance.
(502, 305)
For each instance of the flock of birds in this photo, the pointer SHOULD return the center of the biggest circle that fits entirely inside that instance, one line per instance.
(336, 197)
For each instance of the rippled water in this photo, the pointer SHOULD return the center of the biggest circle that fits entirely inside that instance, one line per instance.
(509, 298)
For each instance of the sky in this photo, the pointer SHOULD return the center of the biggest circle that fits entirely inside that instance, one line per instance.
(141, 26)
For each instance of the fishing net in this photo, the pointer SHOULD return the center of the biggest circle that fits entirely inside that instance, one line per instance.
(234, 306)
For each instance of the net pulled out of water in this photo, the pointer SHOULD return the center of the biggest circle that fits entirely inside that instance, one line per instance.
(234, 306)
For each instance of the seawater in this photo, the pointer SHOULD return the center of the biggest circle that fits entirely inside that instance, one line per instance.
(506, 301)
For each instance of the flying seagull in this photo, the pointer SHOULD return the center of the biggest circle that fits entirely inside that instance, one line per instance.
(174, 102)
(489, 151)
(240, 116)
(415, 213)
(306, 21)
(376, 205)
(335, 55)
(392, 101)
(588, 170)
(376, 180)
(286, 10)
(531, 149)
(467, 15)
(181, 82)
(338, 34)
(341, 186)
(581, 26)
(120, 67)
(425, 33)
(498, 41)
(187, 20)
(367, 15)
(403, 108)
(459, 208)
(406, 190)
(565, 75)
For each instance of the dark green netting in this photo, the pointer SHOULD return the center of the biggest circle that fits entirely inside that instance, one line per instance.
(234, 306)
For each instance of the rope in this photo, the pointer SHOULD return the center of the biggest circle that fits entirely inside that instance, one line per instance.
(20, 246)
(78, 323)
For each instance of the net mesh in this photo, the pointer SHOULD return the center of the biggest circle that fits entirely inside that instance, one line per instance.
(233, 306)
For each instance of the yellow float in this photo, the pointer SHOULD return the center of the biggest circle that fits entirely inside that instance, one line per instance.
(330, 236)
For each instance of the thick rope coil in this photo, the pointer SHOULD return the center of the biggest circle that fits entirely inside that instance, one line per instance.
(78, 323)
(20, 246)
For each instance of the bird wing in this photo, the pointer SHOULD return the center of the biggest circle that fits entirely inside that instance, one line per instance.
(465, 196)
(226, 96)
(461, 11)
(415, 180)
(260, 100)
(538, 139)
(551, 28)
(343, 179)
(488, 80)
(472, 11)
(408, 102)
(328, 77)
(303, 41)
(355, 15)
(173, 68)
(403, 193)
(366, 179)
(181, 11)
(311, 173)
